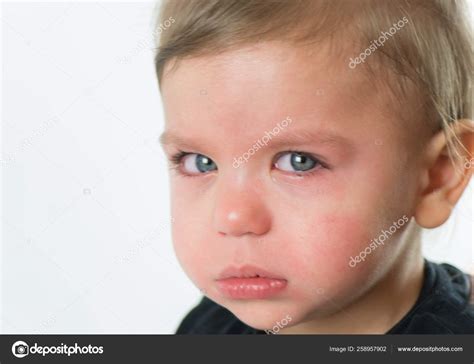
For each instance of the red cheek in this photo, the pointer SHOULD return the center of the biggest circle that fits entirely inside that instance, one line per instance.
(339, 236)
(347, 227)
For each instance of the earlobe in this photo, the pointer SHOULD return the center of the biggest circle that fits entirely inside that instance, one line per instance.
(433, 210)
(444, 179)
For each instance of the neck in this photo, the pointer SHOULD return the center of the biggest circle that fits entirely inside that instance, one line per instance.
(385, 304)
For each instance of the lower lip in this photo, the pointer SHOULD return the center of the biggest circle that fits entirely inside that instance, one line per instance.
(251, 288)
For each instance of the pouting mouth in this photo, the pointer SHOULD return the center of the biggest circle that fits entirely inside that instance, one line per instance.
(244, 276)
(246, 272)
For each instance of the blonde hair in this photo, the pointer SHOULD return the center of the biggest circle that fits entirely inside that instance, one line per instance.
(434, 51)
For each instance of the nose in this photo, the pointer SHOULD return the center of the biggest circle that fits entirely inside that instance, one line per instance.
(240, 209)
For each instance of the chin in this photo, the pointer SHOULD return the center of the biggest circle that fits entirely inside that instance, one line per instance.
(263, 315)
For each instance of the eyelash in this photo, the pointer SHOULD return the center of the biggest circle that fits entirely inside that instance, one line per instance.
(177, 158)
(320, 163)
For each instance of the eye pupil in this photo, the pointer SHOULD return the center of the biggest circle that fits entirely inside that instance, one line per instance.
(299, 158)
(204, 164)
(301, 162)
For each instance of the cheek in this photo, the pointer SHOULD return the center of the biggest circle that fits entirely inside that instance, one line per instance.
(193, 259)
(187, 227)
(321, 262)
(328, 243)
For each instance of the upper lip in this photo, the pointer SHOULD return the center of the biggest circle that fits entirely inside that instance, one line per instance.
(246, 271)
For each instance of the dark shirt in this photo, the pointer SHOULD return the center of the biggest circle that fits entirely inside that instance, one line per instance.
(443, 307)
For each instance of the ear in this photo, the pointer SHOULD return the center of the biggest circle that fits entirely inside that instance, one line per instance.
(443, 178)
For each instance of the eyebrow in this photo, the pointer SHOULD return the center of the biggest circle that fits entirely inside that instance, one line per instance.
(290, 137)
(169, 137)
(285, 137)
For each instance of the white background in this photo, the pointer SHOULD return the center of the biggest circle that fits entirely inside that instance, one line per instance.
(86, 246)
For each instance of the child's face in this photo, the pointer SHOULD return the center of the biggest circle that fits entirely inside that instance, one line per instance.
(300, 216)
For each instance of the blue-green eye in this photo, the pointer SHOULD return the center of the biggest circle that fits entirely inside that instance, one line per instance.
(296, 162)
(197, 163)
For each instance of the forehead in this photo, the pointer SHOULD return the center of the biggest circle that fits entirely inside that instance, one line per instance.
(251, 89)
